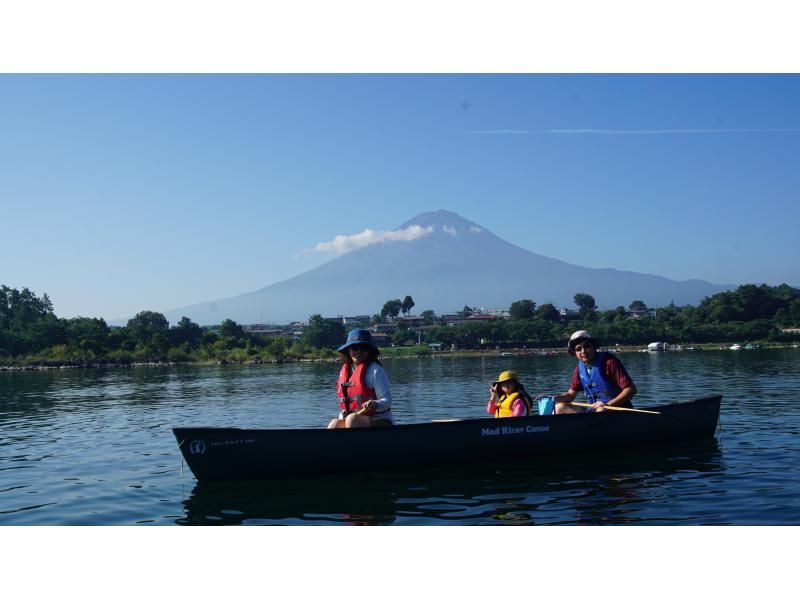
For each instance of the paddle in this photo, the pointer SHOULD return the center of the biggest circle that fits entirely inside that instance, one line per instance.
(617, 408)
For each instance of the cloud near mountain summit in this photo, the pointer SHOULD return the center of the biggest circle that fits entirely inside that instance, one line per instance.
(345, 243)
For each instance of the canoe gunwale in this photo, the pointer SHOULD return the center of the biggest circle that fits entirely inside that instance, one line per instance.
(414, 425)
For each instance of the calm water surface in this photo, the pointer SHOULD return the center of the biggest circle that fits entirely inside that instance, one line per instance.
(89, 447)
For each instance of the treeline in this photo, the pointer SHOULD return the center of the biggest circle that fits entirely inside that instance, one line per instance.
(757, 313)
(31, 334)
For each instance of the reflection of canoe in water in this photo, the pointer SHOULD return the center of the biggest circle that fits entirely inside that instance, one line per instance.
(567, 489)
(235, 453)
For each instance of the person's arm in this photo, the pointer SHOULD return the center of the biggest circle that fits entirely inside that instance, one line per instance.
(566, 397)
(617, 372)
(624, 396)
(378, 379)
(491, 407)
(518, 408)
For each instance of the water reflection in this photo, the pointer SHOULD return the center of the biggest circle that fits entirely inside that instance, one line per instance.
(95, 447)
(623, 488)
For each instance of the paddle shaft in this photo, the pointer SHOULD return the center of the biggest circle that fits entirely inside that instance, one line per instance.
(616, 408)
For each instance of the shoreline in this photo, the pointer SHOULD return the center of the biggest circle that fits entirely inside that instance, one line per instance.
(392, 353)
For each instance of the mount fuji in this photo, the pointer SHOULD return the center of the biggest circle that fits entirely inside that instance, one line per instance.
(452, 263)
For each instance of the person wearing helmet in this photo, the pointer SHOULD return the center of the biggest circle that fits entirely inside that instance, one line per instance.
(508, 397)
(363, 386)
(600, 375)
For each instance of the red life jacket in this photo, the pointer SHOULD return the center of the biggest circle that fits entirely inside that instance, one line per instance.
(352, 390)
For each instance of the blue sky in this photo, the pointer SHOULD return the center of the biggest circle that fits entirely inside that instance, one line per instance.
(128, 192)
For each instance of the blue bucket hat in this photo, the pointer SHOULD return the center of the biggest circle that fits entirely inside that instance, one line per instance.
(358, 336)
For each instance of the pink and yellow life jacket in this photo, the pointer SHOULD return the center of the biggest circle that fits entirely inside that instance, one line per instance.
(506, 402)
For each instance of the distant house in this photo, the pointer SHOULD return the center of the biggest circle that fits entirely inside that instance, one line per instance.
(412, 321)
(568, 314)
(435, 346)
(296, 330)
(350, 321)
(380, 339)
(480, 318)
(267, 332)
(790, 330)
(499, 313)
(641, 313)
(355, 321)
(382, 328)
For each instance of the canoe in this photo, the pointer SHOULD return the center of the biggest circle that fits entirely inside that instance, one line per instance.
(235, 453)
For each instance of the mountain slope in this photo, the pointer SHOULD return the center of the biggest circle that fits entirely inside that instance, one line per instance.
(458, 263)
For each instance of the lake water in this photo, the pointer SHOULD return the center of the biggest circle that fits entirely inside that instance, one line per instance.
(95, 447)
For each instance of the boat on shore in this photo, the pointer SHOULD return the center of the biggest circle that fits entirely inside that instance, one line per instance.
(236, 454)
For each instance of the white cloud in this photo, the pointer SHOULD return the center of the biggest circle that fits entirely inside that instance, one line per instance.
(449, 230)
(475, 229)
(345, 243)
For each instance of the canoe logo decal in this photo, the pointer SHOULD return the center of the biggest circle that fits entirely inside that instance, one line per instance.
(197, 447)
(506, 430)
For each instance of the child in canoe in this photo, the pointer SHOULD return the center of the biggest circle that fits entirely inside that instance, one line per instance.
(508, 397)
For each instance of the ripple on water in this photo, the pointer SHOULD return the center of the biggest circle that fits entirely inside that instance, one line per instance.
(95, 447)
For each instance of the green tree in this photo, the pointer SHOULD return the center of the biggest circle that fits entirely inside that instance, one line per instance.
(524, 309)
(121, 339)
(586, 305)
(758, 302)
(794, 312)
(428, 316)
(320, 333)
(150, 330)
(404, 336)
(186, 332)
(88, 334)
(637, 305)
(231, 335)
(230, 329)
(277, 347)
(548, 312)
(392, 308)
(147, 323)
(407, 304)
(27, 322)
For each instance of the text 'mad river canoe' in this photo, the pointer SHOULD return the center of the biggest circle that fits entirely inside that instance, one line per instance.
(237, 453)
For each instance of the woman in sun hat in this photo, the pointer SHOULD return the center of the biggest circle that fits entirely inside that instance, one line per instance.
(363, 386)
(600, 375)
(508, 397)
